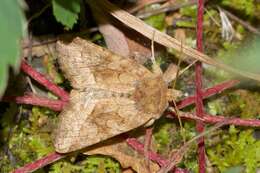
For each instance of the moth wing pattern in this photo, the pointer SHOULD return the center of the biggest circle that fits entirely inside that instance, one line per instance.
(111, 95)
(84, 123)
(71, 120)
(86, 64)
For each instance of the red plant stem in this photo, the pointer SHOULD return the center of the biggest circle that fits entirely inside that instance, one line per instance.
(139, 147)
(52, 157)
(234, 121)
(208, 92)
(147, 146)
(26, 68)
(31, 99)
(216, 119)
(198, 83)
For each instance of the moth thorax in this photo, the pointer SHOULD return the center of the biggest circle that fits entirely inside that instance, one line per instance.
(151, 95)
(97, 93)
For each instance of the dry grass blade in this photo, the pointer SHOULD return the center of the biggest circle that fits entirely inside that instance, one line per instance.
(164, 39)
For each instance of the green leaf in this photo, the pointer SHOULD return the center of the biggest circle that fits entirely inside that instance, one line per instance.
(11, 31)
(245, 6)
(66, 11)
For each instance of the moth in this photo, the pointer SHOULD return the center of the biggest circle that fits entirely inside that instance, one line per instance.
(111, 95)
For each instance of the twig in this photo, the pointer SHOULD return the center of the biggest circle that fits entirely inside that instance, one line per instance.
(172, 7)
(174, 103)
(139, 147)
(199, 94)
(31, 99)
(212, 119)
(207, 93)
(142, 5)
(52, 157)
(232, 121)
(44, 81)
(147, 146)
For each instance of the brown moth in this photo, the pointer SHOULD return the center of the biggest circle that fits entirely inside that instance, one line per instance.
(111, 95)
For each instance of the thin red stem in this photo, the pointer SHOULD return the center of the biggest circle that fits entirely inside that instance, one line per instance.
(147, 146)
(139, 147)
(52, 157)
(207, 118)
(31, 99)
(26, 68)
(207, 93)
(199, 94)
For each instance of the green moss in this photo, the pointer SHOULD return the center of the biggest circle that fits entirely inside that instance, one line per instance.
(90, 164)
(163, 135)
(236, 148)
(157, 21)
(246, 6)
(191, 13)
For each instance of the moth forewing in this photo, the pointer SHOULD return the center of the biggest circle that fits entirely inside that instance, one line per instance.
(111, 95)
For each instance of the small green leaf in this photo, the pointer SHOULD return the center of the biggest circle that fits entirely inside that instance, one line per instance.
(11, 31)
(66, 12)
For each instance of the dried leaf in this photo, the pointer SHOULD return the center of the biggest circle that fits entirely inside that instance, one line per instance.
(111, 95)
(115, 39)
(119, 150)
(122, 40)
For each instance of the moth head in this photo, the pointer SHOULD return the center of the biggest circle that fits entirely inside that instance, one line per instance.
(151, 95)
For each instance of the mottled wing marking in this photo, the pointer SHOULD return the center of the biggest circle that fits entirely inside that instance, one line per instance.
(111, 95)
(85, 121)
(86, 64)
(71, 119)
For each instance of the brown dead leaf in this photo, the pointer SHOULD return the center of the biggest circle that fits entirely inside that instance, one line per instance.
(125, 155)
(122, 40)
(111, 95)
(114, 38)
